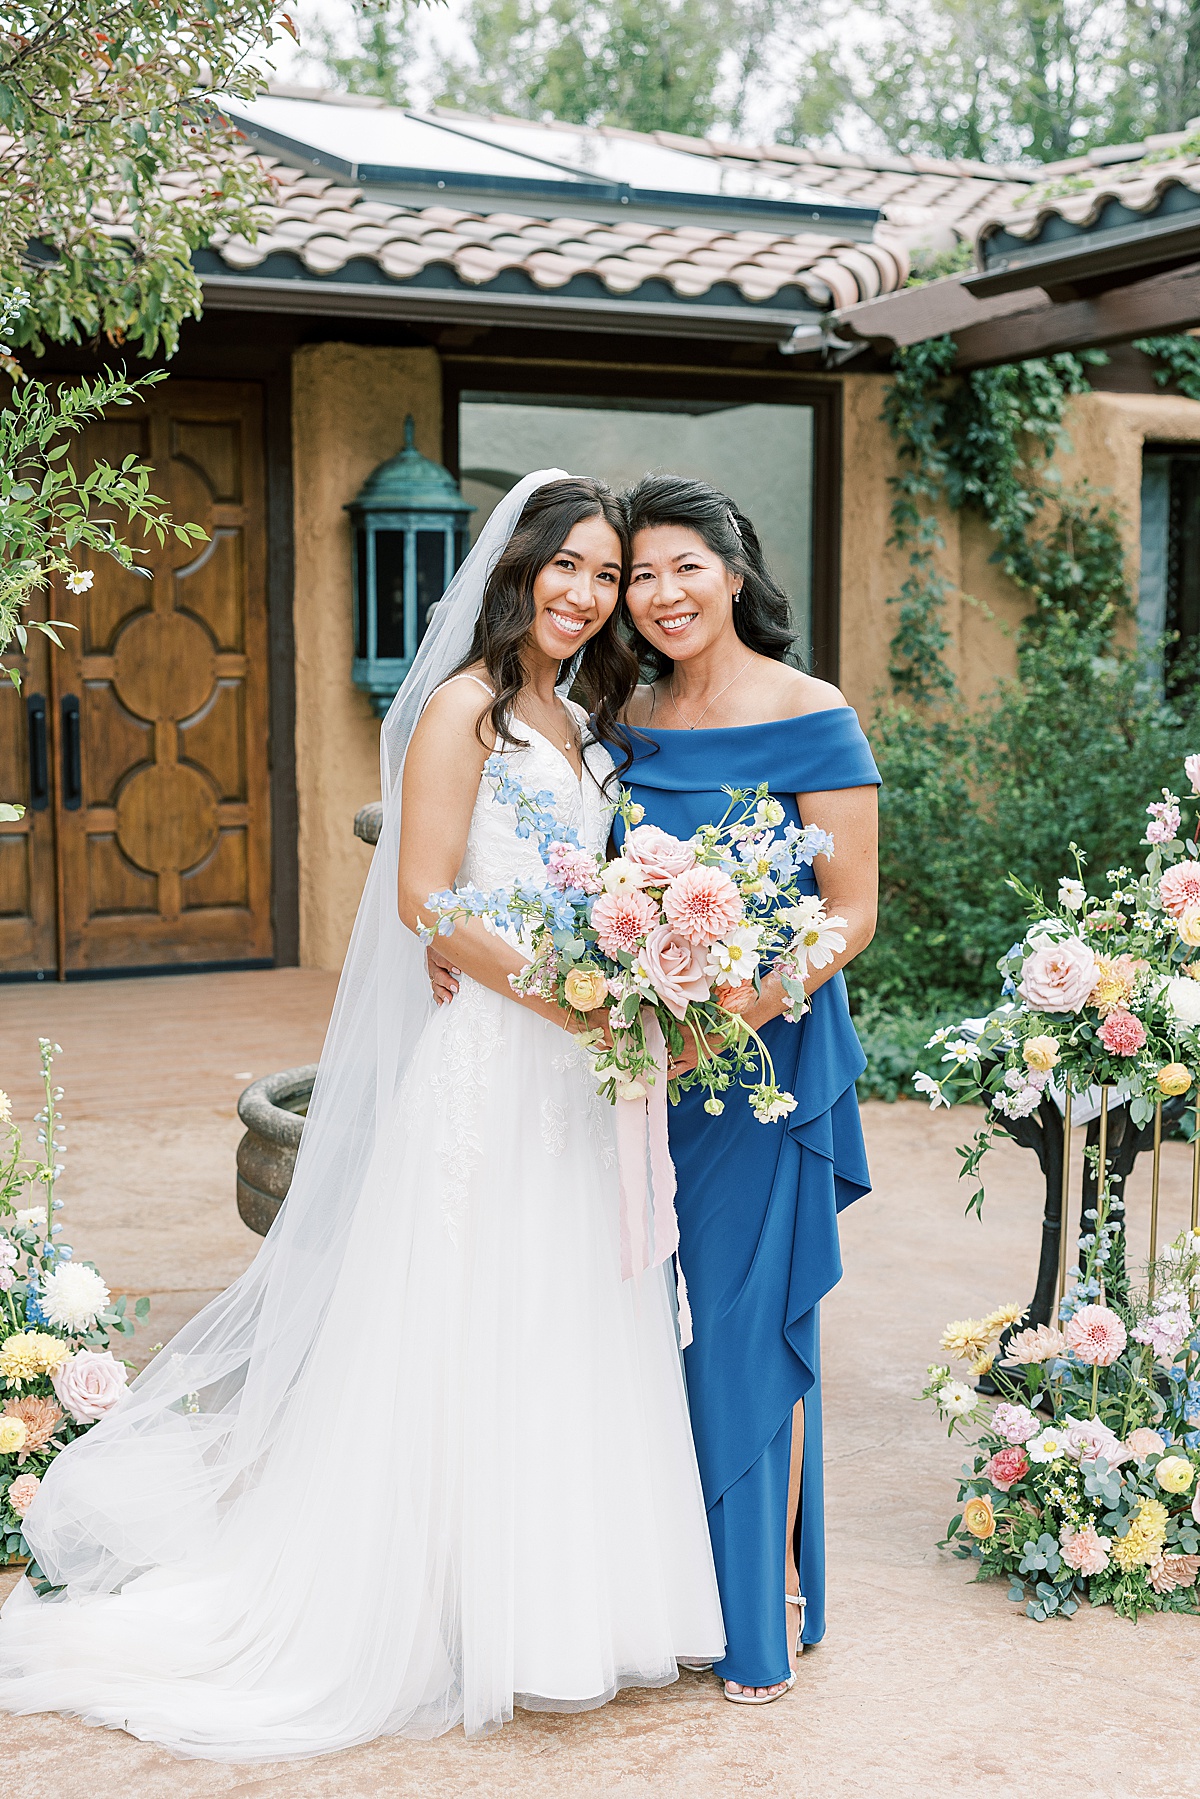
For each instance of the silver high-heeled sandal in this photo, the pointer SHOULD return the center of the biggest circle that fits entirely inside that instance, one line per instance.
(802, 1602)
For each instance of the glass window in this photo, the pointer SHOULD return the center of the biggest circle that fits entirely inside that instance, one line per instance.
(389, 594)
(360, 574)
(431, 575)
(761, 455)
(1169, 578)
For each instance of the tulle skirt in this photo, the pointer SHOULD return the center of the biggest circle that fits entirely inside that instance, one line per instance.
(484, 1492)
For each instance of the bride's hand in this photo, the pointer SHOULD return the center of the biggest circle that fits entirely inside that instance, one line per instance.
(443, 975)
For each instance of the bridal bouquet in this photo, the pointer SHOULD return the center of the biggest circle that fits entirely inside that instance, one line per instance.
(1083, 1479)
(670, 938)
(58, 1375)
(1103, 990)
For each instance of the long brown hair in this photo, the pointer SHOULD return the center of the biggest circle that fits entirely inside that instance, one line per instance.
(608, 671)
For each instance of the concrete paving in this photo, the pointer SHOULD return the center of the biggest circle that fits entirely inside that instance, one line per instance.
(925, 1685)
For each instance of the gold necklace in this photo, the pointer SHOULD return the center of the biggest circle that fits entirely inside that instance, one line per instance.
(692, 725)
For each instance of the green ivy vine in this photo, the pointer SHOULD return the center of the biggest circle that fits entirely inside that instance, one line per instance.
(985, 442)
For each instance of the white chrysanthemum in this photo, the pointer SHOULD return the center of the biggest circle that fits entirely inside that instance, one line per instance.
(73, 1296)
(956, 1399)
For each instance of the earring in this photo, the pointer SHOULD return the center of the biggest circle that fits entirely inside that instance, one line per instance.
(737, 596)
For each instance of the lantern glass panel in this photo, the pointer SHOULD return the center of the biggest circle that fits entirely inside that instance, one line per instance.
(389, 594)
(361, 646)
(431, 575)
(462, 543)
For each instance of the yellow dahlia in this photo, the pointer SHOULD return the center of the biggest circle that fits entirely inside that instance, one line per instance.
(1143, 1541)
(30, 1354)
(967, 1338)
(1002, 1317)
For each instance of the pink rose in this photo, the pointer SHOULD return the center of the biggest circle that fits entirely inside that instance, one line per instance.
(1122, 1034)
(703, 903)
(1143, 1442)
(660, 855)
(1058, 977)
(22, 1492)
(1088, 1439)
(621, 920)
(1191, 768)
(1179, 889)
(1095, 1335)
(89, 1383)
(676, 968)
(1007, 1467)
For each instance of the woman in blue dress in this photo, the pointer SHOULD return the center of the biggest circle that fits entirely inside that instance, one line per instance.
(757, 1203)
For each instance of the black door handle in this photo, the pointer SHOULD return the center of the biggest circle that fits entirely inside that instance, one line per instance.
(39, 761)
(72, 759)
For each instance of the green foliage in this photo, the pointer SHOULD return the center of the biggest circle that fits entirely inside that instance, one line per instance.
(383, 53)
(649, 65)
(894, 1039)
(1066, 750)
(1039, 79)
(1178, 360)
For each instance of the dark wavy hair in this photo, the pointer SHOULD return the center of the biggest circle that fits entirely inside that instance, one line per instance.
(608, 672)
(762, 617)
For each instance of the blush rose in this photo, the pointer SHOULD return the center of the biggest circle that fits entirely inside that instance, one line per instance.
(89, 1384)
(1058, 977)
(659, 855)
(676, 968)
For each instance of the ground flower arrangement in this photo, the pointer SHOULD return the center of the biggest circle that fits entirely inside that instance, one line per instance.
(58, 1321)
(1103, 990)
(669, 940)
(1083, 1478)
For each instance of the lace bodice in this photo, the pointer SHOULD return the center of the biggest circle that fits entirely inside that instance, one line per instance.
(495, 854)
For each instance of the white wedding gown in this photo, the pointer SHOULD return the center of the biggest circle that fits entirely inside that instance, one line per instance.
(484, 1492)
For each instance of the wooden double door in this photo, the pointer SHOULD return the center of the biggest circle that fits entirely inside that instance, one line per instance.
(140, 749)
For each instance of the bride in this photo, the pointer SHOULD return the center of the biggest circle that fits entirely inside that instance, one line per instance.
(429, 1457)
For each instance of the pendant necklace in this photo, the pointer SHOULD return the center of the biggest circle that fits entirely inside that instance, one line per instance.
(692, 724)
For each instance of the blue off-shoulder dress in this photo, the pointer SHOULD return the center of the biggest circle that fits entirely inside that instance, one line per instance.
(758, 1208)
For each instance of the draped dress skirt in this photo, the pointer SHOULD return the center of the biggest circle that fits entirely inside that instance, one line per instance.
(758, 1207)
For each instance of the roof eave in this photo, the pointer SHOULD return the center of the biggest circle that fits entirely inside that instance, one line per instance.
(396, 300)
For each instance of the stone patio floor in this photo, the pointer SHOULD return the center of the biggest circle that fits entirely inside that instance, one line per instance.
(925, 1685)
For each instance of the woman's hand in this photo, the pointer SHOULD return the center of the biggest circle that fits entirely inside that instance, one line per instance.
(443, 974)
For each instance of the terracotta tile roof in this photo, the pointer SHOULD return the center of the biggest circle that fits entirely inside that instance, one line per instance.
(1135, 175)
(328, 225)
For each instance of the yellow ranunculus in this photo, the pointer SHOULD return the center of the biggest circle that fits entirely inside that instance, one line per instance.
(1041, 1053)
(979, 1517)
(1174, 1079)
(12, 1435)
(1189, 926)
(585, 988)
(1174, 1474)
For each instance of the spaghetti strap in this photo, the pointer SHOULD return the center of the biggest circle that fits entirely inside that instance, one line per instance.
(465, 676)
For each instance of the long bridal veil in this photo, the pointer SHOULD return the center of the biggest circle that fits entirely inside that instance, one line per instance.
(149, 1487)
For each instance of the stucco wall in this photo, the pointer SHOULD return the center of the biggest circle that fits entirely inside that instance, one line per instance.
(1104, 437)
(348, 407)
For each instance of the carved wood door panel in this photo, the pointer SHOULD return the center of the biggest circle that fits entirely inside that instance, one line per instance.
(27, 883)
(161, 798)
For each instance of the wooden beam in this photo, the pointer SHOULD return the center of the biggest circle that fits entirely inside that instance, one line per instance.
(916, 314)
(1143, 309)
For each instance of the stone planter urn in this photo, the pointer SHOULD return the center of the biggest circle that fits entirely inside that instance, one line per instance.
(273, 1111)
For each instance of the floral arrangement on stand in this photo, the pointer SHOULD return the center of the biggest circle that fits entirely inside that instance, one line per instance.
(58, 1375)
(1102, 991)
(669, 939)
(1083, 1478)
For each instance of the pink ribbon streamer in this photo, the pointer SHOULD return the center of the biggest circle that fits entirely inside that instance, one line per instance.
(646, 1178)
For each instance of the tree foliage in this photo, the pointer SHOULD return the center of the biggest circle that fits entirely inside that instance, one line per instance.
(1040, 79)
(649, 65)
